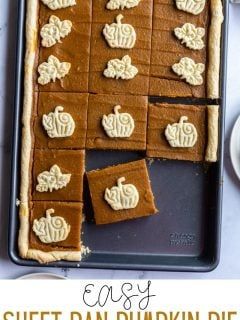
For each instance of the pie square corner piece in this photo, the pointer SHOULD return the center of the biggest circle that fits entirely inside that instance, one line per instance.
(177, 132)
(121, 192)
(55, 226)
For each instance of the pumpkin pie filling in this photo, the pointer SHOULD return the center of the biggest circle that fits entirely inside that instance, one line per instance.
(167, 50)
(74, 49)
(52, 135)
(52, 237)
(162, 115)
(70, 162)
(128, 182)
(87, 90)
(123, 127)
(81, 12)
(101, 52)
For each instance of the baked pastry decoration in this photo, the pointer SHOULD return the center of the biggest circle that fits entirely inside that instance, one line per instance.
(121, 69)
(53, 179)
(53, 31)
(123, 191)
(192, 6)
(122, 4)
(118, 125)
(119, 35)
(59, 4)
(191, 36)
(182, 134)
(52, 70)
(122, 197)
(51, 229)
(58, 124)
(190, 71)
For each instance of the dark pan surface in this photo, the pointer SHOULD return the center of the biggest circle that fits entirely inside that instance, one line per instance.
(183, 236)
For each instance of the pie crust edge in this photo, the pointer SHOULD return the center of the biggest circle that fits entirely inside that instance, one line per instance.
(25, 252)
(213, 76)
(214, 49)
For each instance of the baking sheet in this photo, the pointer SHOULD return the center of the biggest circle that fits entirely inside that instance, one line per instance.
(184, 236)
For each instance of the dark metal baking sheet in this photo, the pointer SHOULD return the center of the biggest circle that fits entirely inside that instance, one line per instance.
(184, 236)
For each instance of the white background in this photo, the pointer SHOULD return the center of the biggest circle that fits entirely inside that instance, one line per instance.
(230, 262)
(170, 296)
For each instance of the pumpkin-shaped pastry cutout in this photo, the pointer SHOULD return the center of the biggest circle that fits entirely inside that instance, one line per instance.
(192, 6)
(58, 124)
(51, 229)
(120, 35)
(118, 125)
(182, 134)
(122, 197)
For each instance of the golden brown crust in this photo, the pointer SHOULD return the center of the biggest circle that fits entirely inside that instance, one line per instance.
(214, 55)
(31, 48)
(47, 257)
(28, 105)
(213, 129)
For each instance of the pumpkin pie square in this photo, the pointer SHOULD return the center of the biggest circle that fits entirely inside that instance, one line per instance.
(58, 175)
(61, 121)
(73, 49)
(168, 50)
(55, 226)
(117, 122)
(121, 192)
(179, 120)
(102, 52)
(79, 13)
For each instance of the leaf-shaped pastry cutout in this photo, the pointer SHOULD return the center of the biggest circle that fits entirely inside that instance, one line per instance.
(53, 179)
(56, 29)
(122, 4)
(121, 69)
(59, 4)
(190, 36)
(52, 69)
(190, 71)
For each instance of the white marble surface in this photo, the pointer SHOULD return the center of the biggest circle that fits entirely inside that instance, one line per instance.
(230, 263)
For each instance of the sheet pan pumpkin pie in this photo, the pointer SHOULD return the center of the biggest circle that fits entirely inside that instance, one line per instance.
(90, 70)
